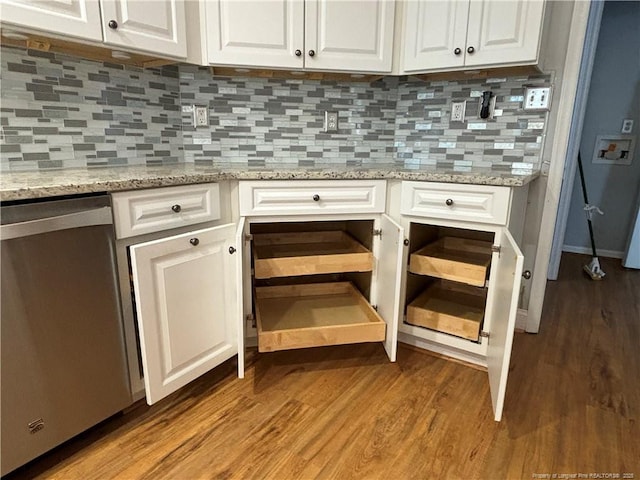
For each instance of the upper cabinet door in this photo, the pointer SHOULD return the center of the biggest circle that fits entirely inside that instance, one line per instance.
(503, 32)
(435, 34)
(256, 33)
(76, 18)
(389, 258)
(187, 305)
(502, 307)
(156, 26)
(349, 35)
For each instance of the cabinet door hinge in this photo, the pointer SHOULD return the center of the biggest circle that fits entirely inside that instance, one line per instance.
(251, 318)
(377, 232)
(496, 249)
(248, 237)
(484, 334)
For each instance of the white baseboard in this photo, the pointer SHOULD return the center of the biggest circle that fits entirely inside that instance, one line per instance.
(521, 319)
(587, 251)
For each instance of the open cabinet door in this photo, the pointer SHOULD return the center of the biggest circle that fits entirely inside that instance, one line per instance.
(243, 264)
(186, 293)
(388, 278)
(506, 276)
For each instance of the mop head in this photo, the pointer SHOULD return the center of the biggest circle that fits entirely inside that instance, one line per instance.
(594, 270)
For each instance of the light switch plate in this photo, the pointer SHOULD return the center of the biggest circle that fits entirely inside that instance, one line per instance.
(537, 98)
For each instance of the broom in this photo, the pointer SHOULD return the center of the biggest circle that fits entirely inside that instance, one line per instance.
(593, 267)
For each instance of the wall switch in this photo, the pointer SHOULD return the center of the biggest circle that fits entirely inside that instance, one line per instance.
(457, 111)
(627, 126)
(537, 98)
(200, 116)
(330, 121)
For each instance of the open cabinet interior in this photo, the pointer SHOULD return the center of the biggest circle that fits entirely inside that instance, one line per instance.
(312, 283)
(448, 272)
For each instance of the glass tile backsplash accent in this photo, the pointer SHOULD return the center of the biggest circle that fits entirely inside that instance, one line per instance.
(59, 111)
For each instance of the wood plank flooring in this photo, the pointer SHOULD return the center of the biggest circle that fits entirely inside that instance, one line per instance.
(572, 406)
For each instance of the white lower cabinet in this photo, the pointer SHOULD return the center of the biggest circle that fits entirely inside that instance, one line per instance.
(461, 283)
(188, 304)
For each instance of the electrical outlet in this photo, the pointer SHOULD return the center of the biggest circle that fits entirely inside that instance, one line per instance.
(457, 111)
(200, 116)
(627, 126)
(537, 98)
(330, 121)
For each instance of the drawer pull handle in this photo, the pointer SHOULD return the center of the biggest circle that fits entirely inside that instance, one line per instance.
(194, 241)
(232, 250)
(449, 202)
(316, 198)
(176, 208)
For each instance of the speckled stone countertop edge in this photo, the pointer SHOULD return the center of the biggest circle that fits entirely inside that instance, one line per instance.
(42, 184)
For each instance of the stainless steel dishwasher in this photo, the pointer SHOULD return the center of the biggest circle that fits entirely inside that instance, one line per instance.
(63, 356)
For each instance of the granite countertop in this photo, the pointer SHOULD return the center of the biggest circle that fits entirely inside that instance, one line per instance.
(49, 183)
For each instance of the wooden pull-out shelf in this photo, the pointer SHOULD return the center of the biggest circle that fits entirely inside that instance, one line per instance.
(457, 259)
(454, 309)
(313, 315)
(308, 253)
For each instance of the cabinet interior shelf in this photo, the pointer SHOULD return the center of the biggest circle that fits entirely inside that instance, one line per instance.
(451, 308)
(308, 253)
(312, 315)
(452, 258)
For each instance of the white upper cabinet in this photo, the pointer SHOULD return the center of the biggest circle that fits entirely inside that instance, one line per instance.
(441, 35)
(260, 33)
(504, 32)
(75, 18)
(311, 34)
(349, 35)
(152, 26)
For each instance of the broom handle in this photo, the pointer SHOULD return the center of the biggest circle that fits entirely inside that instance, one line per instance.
(586, 202)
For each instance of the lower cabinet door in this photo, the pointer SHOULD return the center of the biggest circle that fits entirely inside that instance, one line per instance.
(502, 307)
(188, 304)
(389, 258)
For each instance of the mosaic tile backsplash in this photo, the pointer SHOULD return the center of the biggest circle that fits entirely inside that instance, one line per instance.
(59, 112)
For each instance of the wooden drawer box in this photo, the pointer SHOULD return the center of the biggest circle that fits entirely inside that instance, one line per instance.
(315, 197)
(458, 259)
(313, 315)
(154, 210)
(449, 201)
(450, 308)
(308, 253)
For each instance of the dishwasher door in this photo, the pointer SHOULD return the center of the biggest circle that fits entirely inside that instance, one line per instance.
(63, 355)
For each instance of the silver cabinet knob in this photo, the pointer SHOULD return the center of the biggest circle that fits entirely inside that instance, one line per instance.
(449, 202)
(457, 51)
(298, 53)
(112, 24)
(471, 50)
(316, 198)
(232, 250)
(194, 241)
(176, 208)
(526, 274)
(312, 53)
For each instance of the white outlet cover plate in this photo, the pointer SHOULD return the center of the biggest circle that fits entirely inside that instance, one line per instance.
(537, 98)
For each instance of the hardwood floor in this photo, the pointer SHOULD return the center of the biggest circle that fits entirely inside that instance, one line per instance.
(572, 407)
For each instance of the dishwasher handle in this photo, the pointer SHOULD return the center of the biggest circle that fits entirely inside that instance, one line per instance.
(86, 218)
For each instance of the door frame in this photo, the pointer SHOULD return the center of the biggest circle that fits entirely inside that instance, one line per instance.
(575, 136)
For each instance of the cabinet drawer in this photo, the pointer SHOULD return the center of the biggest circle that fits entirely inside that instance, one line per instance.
(308, 253)
(312, 197)
(473, 203)
(146, 211)
(314, 315)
